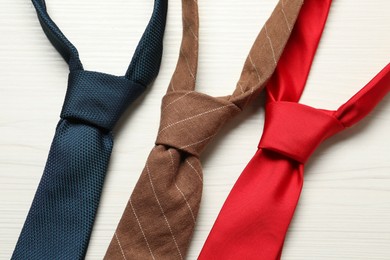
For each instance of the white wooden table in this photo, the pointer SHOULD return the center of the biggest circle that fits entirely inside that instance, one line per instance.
(344, 210)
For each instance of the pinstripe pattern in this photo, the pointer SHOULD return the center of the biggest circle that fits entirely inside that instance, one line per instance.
(167, 196)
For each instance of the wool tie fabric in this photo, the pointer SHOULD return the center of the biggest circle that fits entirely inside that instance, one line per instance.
(255, 217)
(160, 216)
(60, 220)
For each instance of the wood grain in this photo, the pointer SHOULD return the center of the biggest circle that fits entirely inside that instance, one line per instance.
(344, 212)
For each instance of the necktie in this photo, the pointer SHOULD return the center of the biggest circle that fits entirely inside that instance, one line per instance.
(255, 217)
(60, 220)
(160, 215)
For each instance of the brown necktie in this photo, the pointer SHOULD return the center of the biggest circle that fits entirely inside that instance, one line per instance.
(160, 216)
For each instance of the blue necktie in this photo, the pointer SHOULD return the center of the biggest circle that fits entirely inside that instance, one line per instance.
(60, 220)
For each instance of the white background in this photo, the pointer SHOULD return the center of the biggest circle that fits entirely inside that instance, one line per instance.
(344, 210)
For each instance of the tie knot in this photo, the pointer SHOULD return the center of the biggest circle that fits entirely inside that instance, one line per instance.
(97, 98)
(189, 120)
(296, 130)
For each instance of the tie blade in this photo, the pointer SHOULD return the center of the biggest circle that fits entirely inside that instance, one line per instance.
(160, 216)
(253, 222)
(60, 220)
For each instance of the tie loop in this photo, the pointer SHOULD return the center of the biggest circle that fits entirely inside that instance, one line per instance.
(295, 130)
(98, 98)
(189, 120)
(67, 50)
(146, 60)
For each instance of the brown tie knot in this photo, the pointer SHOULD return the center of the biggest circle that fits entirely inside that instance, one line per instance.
(189, 120)
(296, 130)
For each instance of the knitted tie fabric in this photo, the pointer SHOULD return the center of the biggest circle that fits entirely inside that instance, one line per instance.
(160, 216)
(60, 220)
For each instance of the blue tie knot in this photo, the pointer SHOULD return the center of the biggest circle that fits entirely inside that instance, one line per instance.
(97, 98)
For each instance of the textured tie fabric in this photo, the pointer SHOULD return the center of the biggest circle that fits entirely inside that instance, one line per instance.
(160, 216)
(254, 219)
(59, 223)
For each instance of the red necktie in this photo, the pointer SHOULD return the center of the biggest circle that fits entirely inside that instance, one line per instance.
(255, 217)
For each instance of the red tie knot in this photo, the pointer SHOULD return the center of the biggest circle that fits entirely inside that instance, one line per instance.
(296, 130)
(189, 120)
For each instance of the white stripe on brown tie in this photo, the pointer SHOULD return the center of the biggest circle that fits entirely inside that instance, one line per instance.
(160, 216)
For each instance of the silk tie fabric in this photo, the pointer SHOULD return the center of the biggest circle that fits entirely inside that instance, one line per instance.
(160, 216)
(233, 236)
(59, 223)
(255, 217)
